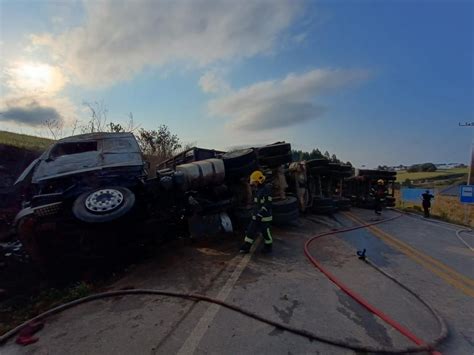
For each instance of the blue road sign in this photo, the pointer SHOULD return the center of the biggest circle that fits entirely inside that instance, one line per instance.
(414, 194)
(466, 193)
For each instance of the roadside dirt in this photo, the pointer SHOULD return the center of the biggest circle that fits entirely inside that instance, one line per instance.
(13, 161)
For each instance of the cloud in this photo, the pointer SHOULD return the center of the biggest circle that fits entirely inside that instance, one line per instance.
(282, 103)
(29, 112)
(32, 95)
(120, 38)
(213, 82)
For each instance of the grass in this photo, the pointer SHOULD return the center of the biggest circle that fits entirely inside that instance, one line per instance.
(403, 175)
(24, 141)
(445, 208)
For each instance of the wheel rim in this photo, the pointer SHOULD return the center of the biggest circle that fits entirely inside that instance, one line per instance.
(104, 200)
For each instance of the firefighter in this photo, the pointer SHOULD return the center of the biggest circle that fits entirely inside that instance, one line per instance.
(262, 214)
(427, 203)
(378, 193)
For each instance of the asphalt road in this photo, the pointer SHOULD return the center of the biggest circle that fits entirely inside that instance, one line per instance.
(285, 287)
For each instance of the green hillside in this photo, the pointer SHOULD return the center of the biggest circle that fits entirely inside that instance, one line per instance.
(24, 141)
(403, 175)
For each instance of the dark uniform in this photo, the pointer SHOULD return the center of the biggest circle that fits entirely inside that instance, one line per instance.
(379, 193)
(427, 203)
(261, 217)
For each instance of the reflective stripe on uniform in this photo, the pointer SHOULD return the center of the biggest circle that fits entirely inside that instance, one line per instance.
(254, 218)
(248, 240)
(255, 199)
(264, 208)
(269, 235)
(269, 198)
(267, 219)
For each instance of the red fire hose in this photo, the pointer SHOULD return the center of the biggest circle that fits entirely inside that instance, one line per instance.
(404, 331)
(421, 346)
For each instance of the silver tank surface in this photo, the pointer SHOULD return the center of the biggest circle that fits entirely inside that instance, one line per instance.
(203, 173)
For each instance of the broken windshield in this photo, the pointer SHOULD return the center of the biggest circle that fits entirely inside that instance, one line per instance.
(70, 148)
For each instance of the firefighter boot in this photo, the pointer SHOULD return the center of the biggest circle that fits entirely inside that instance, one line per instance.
(245, 248)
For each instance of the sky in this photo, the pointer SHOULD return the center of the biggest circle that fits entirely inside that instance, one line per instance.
(374, 82)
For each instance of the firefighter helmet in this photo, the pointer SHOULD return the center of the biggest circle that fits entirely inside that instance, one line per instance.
(257, 177)
(380, 182)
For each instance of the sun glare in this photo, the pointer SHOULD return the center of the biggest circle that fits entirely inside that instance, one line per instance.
(36, 77)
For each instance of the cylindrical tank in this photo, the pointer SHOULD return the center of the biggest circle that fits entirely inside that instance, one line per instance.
(202, 173)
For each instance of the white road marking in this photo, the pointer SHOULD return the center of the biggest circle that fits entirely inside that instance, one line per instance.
(458, 234)
(436, 223)
(193, 340)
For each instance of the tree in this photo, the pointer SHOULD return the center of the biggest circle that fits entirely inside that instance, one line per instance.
(428, 167)
(55, 128)
(115, 127)
(160, 143)
(334, 159)
(98, 121)
(326, 155)
(98, 117)
(422, 167)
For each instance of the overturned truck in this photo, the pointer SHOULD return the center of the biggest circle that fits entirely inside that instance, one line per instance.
(358, 187)
(318, 185)
(88, 193)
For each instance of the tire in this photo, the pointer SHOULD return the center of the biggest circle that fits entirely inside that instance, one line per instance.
(241, 216)
(319, 170)
(340, 167)
(338, 174)
(239, 158)
(282, 219)
(83, 207)
(323, 202)
(274, 150)
(334, 166)
(313, 163)
(215, 207)
(345, 167)
(277, 160)
(289, 204)
(376, 174)
(240, 163)
(241, 171)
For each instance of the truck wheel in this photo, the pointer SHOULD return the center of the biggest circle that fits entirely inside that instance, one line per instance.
(242, 216)
(238, 158)
(281, 219)
(319, 170)
(103, 205)
(323, 209)
(313, 163)
(289, 204)
(240, 163)
(285, 211)
(272, 150)
(277, 160)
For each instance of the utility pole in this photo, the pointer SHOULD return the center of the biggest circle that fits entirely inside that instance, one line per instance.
(470, 177)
